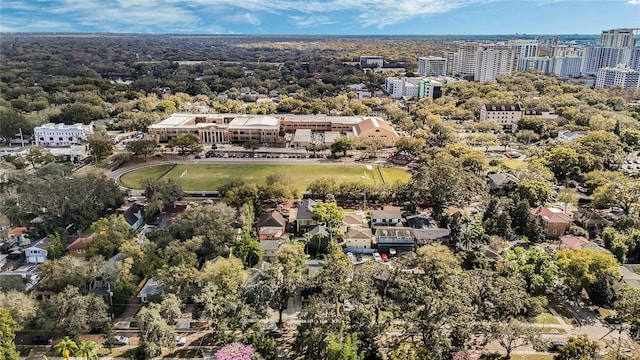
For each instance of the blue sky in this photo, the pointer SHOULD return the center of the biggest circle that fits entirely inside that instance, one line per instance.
(332, 17)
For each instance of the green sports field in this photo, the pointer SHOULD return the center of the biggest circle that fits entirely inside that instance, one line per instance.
(209, 177)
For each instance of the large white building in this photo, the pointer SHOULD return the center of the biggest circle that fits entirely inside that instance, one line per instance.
(597, 57)
(617, 38)
(540, 63)
(621, 75)
(419, 87)
(432, 66)
(465, 60)
(61, 135)
(567, 66)
(493, 61)
(375, 61)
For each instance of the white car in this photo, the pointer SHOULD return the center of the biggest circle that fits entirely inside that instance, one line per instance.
(350, 256)
(377, 257)
(181, 341)
(120, 340)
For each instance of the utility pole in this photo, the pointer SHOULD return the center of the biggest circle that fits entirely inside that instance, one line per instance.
(21, 137)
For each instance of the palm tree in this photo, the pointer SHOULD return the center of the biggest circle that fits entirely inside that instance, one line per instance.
(66, 347)
(87, 349)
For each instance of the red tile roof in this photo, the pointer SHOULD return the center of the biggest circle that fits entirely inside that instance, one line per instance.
(552, 215)
(574, 242)
(81, 242)
(17, 231)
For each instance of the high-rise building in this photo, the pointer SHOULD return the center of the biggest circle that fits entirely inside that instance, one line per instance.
(597, 57)
(535, 63)
(621, 75)
(450, 56)
(493, 61)
(563, 50)
(465, 60)
(634, 63)
(566, 66)
(524, 48)
(617, 38)
(432, 66)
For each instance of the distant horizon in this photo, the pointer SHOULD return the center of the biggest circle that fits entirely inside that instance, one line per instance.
(318, 17)
(285, 34)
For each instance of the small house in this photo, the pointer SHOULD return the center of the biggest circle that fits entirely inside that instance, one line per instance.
(271, 226)
(17, 236)
(428, 236)
(304, 215)
(386, 217)
(270, 249)
(358, 238)
(77, 248)
(394, 237)
(36, 253)
(553, 221)
(502, 184)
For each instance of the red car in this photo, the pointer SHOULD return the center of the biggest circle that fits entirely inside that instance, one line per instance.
(384, 257)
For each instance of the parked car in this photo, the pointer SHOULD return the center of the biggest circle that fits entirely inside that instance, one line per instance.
(42, 340)
(377, 257)
(118, 340)
(181, 341)
(556, 344)
(350, 256)
(384, 257)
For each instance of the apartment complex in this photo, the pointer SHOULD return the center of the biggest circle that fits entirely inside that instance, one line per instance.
(506, 115)
(621, 75)
(372, 61)
(432, 66)
(238, 128)
(493, 61)
(420, 87)
(61, 135)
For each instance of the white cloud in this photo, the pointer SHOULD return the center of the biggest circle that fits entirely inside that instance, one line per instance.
(633, 2)
(198, 15)
(310, 21)
(246, 18)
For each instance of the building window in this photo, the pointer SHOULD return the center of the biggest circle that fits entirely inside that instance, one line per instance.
(79, 251)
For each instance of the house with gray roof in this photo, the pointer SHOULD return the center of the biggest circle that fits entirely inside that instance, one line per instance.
(304, 215)
(386, 217)
(394, 237)
(502, 184)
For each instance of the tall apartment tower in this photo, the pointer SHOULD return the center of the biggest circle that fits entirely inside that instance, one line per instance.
(432, 66)
(450, 56)
(493, 61)
(621, 75)
(617, 38)
(465, 60)
(597, 57)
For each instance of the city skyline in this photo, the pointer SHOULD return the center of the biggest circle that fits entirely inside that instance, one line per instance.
(320, 17)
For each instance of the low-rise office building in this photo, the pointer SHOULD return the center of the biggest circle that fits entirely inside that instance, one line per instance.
(61, 135)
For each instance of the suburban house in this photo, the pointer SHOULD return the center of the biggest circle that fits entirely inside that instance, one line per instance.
(573, 242)
(591, 220)
(151, 288)
(320, 231)
(386, 217)
(353, 220)
(358, 238)
(428, 236)
(134, 216)
(17, 236)
(27, 273)
(502, 184)
(394, 237)
(170, 212)
(304, 215)
(36, 253)
(553, 220)
(269, 248)
(271, 226)
(77, 248)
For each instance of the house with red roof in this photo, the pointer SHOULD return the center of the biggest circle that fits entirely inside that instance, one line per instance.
(78, 248)
(553, 220)
(573, 242)
(17, 236)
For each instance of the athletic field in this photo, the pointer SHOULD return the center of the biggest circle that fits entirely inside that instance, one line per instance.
(208, 177)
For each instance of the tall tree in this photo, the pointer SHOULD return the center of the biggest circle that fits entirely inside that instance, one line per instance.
(284, 277)
(143, 147)
(87, 349)
(38, 156)
(578, 348)
(155, 333)
(187, 143)
(7, 336)
(100, 146)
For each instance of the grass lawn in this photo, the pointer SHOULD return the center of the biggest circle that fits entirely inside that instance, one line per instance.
(211, 176)
(135, 178)
(514, 164)
(546, 318)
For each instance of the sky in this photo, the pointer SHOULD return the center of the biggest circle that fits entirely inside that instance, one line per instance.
(320, 17)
